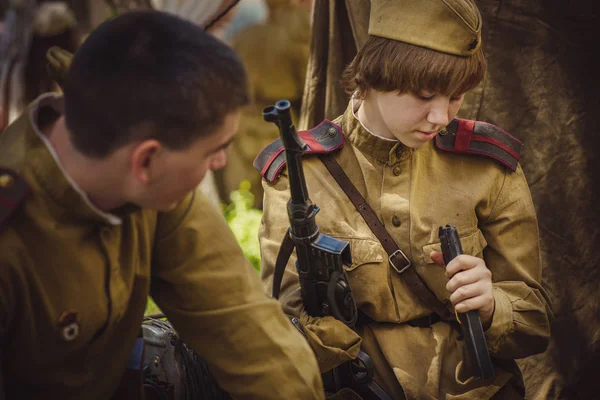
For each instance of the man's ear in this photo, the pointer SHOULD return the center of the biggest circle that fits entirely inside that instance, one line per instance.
(142, 157)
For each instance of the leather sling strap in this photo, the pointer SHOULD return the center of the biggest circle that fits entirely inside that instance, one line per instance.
(397, 258)
(285, 252)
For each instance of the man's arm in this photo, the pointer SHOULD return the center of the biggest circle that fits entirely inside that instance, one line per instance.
(214, 298)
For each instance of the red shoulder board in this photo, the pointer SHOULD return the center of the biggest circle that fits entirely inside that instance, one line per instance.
(13, 189)
(322, 139)
(475, 137)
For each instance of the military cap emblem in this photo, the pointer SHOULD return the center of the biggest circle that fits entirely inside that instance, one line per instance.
(68, 325)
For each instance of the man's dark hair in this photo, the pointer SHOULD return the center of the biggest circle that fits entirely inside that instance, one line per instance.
(150, 75)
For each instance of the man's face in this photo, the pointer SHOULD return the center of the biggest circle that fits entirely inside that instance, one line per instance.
(413, 119)
(177, 172)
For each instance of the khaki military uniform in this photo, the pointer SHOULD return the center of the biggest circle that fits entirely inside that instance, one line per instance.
(275, 55)
(74, 283)
(413, 192)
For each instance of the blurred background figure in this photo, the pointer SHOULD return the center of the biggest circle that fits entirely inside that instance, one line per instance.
(247, 13)
(205, 13)
(28, 28)
(275, 54)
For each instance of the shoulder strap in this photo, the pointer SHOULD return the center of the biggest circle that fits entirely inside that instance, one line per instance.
(476, 137)
(13, 190)
(285, 252)
(322, 139)
(397, 258)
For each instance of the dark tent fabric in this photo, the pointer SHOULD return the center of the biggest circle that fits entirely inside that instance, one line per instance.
(542, 87)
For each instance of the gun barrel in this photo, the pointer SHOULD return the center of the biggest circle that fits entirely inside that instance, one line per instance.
(294, 146)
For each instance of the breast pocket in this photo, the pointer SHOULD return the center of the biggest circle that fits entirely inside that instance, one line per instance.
(369, 277)
(472, 244)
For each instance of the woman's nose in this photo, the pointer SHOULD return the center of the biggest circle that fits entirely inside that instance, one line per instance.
(439, 112)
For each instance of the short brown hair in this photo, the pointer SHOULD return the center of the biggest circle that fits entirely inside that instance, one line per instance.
(153, 70)
(391, 66)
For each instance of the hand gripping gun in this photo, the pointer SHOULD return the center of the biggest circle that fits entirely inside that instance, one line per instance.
(478, 360)
(320, 258)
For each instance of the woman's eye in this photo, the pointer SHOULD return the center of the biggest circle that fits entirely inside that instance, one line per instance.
(425, 97)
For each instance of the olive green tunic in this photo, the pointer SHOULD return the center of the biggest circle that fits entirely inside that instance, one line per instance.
(59, 254)
(413, 192)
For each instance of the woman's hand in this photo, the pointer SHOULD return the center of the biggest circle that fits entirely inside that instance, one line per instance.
(470, 282)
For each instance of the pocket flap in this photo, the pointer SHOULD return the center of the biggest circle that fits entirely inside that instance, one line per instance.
(472, 244)
(364, 251)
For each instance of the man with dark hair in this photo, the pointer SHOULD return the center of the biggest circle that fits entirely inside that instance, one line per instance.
(100, 188)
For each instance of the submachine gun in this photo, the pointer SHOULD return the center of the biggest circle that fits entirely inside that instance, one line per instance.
(320, 259)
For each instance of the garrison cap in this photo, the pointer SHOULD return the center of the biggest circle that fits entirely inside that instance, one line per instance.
(448, 26)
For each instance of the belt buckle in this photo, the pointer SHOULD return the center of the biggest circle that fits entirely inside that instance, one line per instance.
(394, 266)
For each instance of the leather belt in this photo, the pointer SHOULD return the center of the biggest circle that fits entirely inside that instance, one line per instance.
(422, 322)
(425, 321)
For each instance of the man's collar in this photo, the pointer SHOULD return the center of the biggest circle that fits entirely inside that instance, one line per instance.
(52, 176)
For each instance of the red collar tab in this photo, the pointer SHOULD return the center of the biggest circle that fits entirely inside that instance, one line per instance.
(322, 139)
(480, 138)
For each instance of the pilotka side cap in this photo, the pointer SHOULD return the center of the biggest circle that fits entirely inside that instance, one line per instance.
(448, 26)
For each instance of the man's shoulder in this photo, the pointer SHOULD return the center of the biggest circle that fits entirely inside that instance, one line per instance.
(14, 142)
(479, 138)
(13, 192)
(168, 222)
(324, 138)
(14, 249)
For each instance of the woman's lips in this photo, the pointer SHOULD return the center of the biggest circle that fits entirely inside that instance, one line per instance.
(427, 135)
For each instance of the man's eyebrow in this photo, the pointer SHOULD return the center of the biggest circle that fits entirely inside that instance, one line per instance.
(223, 146)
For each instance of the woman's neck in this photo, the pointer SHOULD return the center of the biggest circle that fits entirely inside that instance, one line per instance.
(370, 118)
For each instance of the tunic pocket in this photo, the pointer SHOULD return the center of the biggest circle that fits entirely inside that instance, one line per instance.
(369, 277)
(472, 244)
(364, 251)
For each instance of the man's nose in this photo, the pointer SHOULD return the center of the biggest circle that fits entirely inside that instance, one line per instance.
(218, 161)
(439, 111)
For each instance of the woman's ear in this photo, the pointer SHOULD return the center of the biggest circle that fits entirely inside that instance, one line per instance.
(142, 158)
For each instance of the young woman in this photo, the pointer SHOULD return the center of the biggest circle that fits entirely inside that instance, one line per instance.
(419, 168)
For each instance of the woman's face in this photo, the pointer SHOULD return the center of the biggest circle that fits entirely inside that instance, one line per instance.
(413, 119)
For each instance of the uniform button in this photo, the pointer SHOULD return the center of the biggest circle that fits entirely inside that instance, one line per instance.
(396, 221)
(396, 170)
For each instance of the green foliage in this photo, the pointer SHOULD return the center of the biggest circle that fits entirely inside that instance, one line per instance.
(244, 221)
(151, 307)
